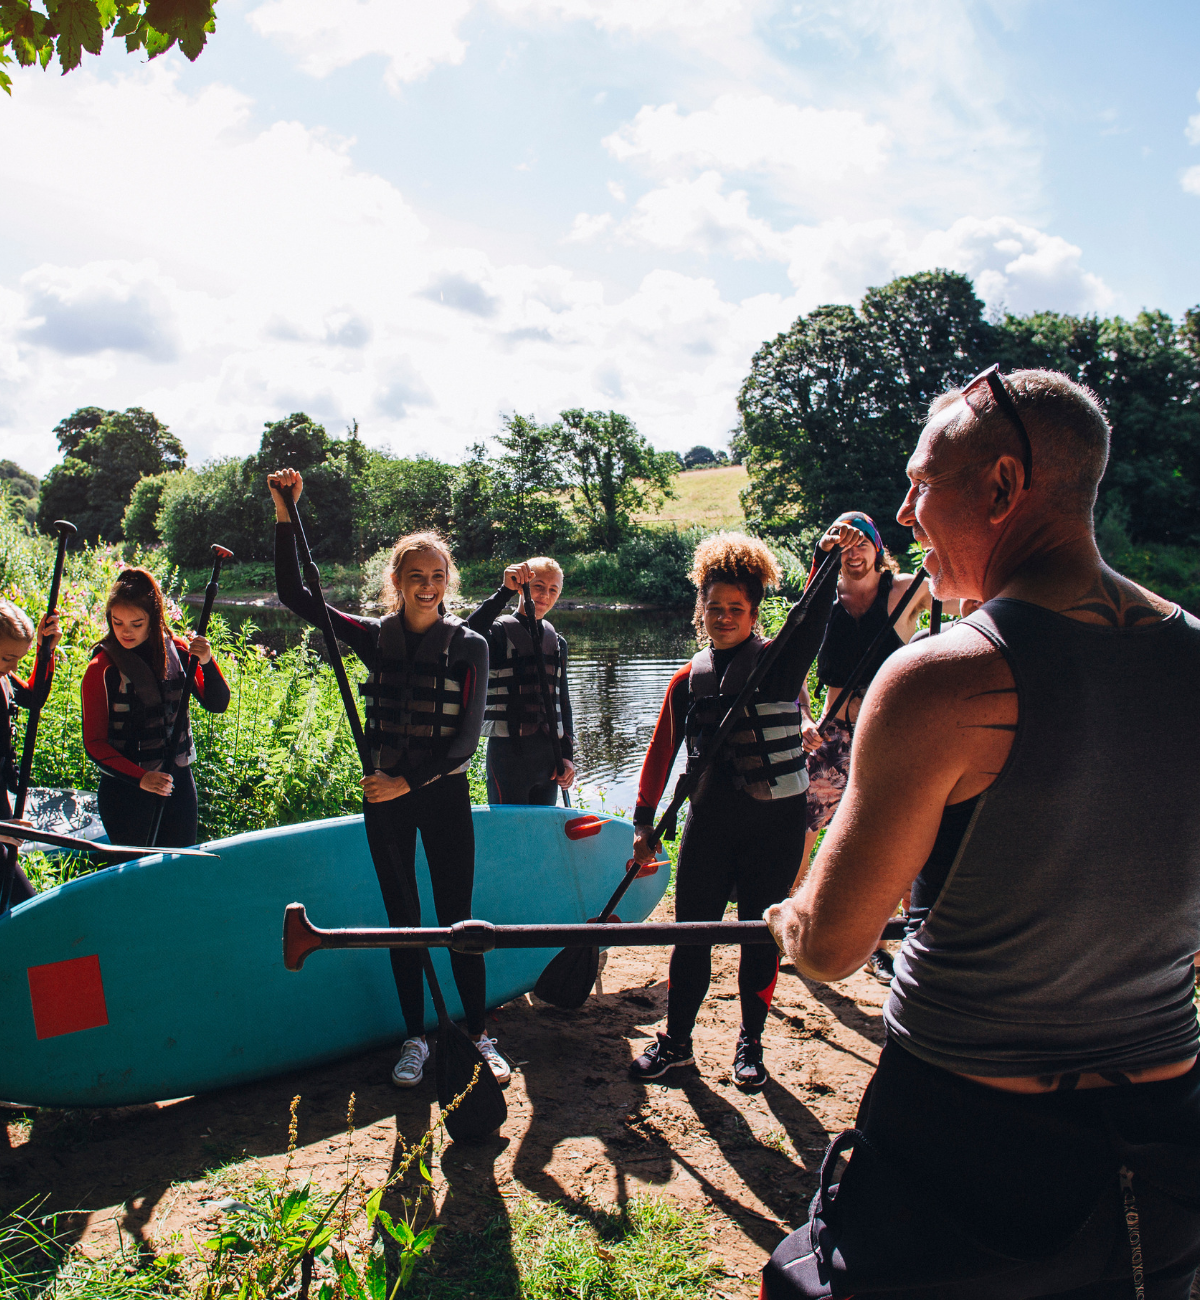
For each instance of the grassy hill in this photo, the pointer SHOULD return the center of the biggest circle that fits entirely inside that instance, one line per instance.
(708, 497)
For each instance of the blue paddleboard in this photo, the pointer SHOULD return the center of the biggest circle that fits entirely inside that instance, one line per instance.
(164, 977)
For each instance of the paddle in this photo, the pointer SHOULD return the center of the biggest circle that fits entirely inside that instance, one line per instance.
(569, 977)
(458, 1061)
(301, 937)
(189, 676)
(860, 668)
(935, 617)
(118, 852)
(539, 656)
(40, 668)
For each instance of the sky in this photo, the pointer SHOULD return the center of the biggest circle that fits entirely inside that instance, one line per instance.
(426, 216)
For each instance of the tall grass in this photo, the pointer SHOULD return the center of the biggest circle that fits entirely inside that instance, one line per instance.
(281, 753)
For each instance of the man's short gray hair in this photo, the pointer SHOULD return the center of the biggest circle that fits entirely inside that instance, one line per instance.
(1066, 427)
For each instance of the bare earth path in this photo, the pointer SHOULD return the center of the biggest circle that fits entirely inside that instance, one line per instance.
(579, 1130)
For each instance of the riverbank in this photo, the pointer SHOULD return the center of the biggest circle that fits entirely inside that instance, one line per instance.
(146, 1181)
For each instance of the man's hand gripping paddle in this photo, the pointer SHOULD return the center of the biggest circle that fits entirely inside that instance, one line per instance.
(457, 1060)
(539, 656)
(568, 979)
(8, 869)
(301, 937)
(181, 713)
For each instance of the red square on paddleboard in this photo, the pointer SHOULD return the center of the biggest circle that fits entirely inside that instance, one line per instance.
(67, 996)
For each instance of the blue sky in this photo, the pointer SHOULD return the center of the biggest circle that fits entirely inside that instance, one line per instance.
(424, 216)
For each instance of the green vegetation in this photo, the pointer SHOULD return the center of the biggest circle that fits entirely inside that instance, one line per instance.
(68, 27)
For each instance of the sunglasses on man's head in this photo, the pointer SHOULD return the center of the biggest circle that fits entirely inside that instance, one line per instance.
(992, 377)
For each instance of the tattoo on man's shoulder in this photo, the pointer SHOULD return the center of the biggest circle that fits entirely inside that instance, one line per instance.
(1117, 604)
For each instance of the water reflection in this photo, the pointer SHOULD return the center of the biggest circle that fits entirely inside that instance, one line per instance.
(620, 664)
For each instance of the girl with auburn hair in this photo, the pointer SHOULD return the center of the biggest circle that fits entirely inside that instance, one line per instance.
(744, 833)
(132, 690)
(424, 706)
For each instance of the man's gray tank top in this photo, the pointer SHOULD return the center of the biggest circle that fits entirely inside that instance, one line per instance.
(1062, 940)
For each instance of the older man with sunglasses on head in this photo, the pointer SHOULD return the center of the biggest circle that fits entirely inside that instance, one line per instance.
(1033, 1127)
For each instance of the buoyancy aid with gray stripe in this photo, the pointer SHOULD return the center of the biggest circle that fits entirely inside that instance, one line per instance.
(142, 711)
(514, 698)
(763, 754)
(414, 707)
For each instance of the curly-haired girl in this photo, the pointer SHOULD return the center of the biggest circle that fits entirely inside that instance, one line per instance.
(744, 832)
(131, 691)
(425, 700)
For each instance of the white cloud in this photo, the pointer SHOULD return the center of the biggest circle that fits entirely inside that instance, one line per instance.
(323, 35)
(1190, 180)
(641, 16)
(698, 216)
(587, 227)
(803, 147)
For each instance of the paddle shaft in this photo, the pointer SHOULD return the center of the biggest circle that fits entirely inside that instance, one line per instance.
(189, 676)
(301, 937)
(41, 666)
(861, 668)
(312, 579)
(539, 657)
(120, 852)
(935, 617)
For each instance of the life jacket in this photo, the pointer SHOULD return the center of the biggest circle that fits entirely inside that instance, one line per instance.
(514, 698)
(763, 753)
(848, 638)
(414, 708)
(8, 766)
(142, 712)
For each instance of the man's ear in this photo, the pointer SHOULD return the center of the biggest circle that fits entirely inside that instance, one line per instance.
(1004, 487)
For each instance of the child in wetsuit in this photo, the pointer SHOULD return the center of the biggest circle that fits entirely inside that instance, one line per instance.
(520, 757)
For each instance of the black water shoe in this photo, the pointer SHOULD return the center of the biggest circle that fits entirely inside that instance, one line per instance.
(749, 1072)
(662, 1056)
(879, 964)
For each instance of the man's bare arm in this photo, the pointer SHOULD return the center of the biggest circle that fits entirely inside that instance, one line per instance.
(935, 728)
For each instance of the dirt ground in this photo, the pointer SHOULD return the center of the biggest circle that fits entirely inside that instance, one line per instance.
(579, 1130)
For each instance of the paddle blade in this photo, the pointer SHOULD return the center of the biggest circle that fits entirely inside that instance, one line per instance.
(481, 1112)
(569, 978)
(299, 937)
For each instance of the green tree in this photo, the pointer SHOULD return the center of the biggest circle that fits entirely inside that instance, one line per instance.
(140, 521)
(473, 520)
(405, 496)
(527, 475)
(612, 472)
(107, 453)
(831, 408)
(68, 27)
(22, 485)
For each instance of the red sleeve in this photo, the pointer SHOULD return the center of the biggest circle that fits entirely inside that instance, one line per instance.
(28, 693)
(668, 733)
(95, 722)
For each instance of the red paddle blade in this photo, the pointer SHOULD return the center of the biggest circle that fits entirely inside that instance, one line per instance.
(582, 828)
(648, 868)
(299, 937)
(612, 920)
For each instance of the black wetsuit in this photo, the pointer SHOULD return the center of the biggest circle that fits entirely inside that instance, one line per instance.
(520, 769)
(438, 804)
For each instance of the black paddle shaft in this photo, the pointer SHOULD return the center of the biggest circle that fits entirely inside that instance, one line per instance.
(221, 554)
(312, 580)
(539, 658)
(115, 852)
(301, 937)
(8, 863)
(861, 668)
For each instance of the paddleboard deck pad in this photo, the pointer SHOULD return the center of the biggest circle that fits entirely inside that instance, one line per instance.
(162, 977)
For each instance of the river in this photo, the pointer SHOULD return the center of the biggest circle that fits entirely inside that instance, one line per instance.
(620, 662)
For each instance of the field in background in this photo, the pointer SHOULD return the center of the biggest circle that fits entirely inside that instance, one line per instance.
(707, 497)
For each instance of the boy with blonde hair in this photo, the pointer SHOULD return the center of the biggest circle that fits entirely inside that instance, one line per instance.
(520, 757)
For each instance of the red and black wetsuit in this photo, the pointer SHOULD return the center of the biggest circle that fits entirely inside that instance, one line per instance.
(731, 841)
(14, 694)
(125, 809)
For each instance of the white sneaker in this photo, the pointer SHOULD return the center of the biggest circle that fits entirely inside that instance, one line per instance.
(410, 1068)
(497, 1063)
